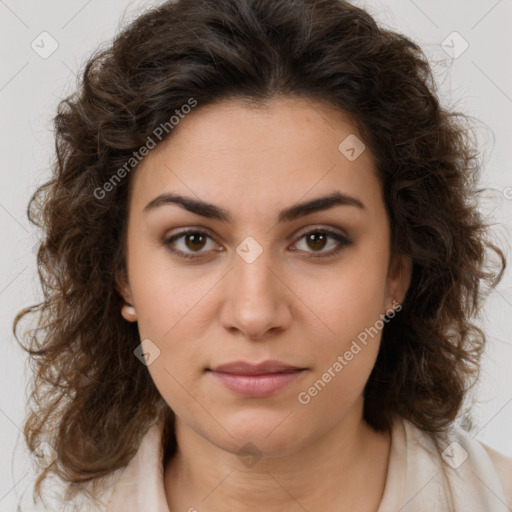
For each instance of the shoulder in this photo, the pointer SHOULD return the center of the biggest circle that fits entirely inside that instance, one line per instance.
(91, 496)
(142, 480)
(469, 470)
(125, 489)
(503, 465)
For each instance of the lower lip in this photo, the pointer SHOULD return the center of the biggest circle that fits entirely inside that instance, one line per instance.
(257, 386)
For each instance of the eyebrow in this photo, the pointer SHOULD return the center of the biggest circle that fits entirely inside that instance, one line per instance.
(293, 212)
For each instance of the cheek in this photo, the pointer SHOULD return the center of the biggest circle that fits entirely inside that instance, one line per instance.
(331, 393)
(166, 296)
(169, 307)
(173, 324)
(350, 308)
(350, 300)
(346, 356)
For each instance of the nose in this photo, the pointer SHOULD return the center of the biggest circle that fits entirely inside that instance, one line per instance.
(257, 299)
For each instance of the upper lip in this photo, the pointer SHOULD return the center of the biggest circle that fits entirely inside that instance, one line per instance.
(245, 368)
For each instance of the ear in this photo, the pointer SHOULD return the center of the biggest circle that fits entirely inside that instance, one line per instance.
(123, 288)
(398, 281)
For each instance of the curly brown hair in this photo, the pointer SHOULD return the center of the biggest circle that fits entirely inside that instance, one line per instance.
(90, 395)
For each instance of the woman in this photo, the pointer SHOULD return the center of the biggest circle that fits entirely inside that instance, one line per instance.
(261, 265)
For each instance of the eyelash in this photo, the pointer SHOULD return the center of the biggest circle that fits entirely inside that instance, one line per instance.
(341, 239)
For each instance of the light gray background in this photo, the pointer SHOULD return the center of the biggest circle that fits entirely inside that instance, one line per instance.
(478, 82)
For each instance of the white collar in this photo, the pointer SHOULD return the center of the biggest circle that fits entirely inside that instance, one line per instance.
(419, 478)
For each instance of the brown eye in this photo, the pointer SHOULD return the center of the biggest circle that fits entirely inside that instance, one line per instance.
(195, 241)
(316, 241)
(190, 244)
(187, 243)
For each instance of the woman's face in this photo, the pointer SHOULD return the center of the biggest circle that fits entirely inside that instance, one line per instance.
(253, 282)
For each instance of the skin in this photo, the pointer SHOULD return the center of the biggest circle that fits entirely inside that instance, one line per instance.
(285, 305)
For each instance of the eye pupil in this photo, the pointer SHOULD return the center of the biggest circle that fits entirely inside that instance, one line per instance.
(316, 238)
(195, 237)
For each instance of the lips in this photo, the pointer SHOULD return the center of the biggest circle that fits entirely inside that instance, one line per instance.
(265, 367)
(256, 380)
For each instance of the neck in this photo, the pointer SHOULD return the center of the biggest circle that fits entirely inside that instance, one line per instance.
(329, 473)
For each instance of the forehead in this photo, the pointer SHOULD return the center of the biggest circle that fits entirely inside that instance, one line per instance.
(267, 156)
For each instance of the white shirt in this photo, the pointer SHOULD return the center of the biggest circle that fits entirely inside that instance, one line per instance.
(452, 472)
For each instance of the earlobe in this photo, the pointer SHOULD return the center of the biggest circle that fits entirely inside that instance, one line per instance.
(129, 313)
(127, 310)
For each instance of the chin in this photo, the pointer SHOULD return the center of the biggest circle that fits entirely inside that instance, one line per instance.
(268, 434)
